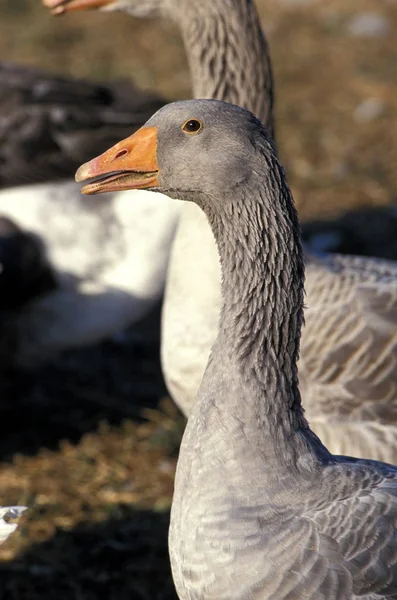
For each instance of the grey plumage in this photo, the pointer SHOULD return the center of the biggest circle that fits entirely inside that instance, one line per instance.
(348, 354)
(261, 508)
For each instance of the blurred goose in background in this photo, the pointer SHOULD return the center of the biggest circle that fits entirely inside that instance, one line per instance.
(7, 528)
(348, 365)
(50, 124)
(261, 509)
(368, 231)
(110, 257)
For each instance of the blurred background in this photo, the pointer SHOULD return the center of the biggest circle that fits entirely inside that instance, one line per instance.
(90, 443)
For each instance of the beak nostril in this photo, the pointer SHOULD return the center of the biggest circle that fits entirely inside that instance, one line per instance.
(121, 154)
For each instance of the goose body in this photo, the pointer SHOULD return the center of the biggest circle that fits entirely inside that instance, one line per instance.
(261, 508)
(349, 344)
(109, 259)
(6, 528)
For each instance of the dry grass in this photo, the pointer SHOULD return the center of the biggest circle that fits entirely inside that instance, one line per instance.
(87, 445)
(97, 523)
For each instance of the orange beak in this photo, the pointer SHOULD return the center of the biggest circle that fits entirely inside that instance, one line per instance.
(59, 7)
(129, 165)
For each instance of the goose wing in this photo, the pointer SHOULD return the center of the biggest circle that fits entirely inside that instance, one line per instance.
(349, 345)
(356, 521)
(336, 540)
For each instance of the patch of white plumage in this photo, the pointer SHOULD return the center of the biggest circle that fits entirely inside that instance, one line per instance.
(7, 528)
(110, 255)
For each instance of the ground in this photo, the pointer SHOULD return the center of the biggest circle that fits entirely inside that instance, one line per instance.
(89, 443)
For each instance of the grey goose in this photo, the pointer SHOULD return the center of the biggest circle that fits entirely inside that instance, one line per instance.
(261, 509)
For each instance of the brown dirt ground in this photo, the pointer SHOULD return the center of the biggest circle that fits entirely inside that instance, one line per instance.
(96, 472)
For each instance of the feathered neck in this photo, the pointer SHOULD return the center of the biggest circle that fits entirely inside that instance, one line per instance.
(253, 364)
(228, 55)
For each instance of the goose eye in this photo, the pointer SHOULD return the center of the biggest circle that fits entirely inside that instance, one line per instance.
(192, 126)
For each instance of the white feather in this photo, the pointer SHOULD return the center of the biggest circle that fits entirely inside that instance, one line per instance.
(12, 512)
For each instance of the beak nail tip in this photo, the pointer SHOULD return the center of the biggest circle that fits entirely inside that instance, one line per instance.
(81, 174)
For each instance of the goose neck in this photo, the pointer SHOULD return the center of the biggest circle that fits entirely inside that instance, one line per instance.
(228, 55)
(253, 364)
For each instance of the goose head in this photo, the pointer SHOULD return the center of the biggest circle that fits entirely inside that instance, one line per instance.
(191, 150)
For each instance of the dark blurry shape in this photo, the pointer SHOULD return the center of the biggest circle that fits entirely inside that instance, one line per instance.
(364, 232)
(50, 124)
(25, 272)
